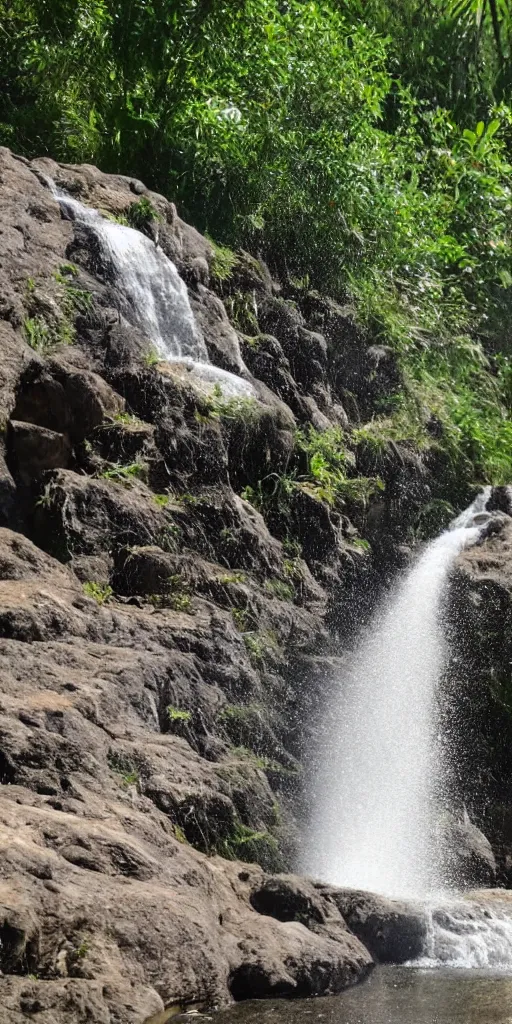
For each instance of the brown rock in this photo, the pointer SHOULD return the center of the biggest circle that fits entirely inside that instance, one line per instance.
(34, 449)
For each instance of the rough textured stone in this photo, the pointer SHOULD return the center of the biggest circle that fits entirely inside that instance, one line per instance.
(468, 857)
(393, 931)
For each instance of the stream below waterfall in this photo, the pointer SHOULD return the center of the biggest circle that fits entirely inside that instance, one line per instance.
(395, 995)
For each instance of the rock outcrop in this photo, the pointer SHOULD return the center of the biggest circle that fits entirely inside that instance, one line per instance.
(478, 704)
(393, 931)
(157, 631)
(172, 601)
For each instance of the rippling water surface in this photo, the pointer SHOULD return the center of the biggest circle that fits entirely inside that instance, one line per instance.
(395, 995)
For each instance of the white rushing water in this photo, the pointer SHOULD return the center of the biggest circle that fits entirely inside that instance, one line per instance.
(471, 932)
(152, 295)
(373, 795)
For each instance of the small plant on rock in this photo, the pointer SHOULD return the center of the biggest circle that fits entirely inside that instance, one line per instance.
(178, 714)
(152, 358)
(73, 299)
(142, 215)
(180, 835)
(37, 334)
(128, 419)
(177, 602)
(362, 544)
(248, 844)
(233, 577)
(261, 646)
(124, 474)
(161, 500)
(82, 950)
(68, 270)
(122, 766)
(99, 592)
(46, 498)
(176, 595)
(245, 410)
(223, 262)
(278, 588)
(240, 618)
(169, 538)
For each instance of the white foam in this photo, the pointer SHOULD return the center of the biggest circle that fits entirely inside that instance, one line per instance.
(468, 933)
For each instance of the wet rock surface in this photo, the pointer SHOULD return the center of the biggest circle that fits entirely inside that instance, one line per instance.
(393, 931)
(478, 701)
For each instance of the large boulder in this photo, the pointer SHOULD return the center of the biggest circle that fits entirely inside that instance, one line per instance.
(392, 930)
(467, 855)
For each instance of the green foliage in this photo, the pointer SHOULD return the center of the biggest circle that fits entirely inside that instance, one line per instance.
(179, 834)
(178, 714)
(37, 334)
(73, 300)
(43, 332)
(46, 498)
(362, 148)
(265, 764)
(233, 577)
(68, 270)
(128, 419)
(261, 646)
(328, 460)
(240, 618)
(292, 568)
(278, 588)
(242, 311)
(99, 592)
(169, 538)
(247, 844)
(362, 544)
(80, 952)
(223, 262)
(124, 767)
(142, 214)
(176, 601)
(321, 464)
(152, 358)
(234, 410)
(124, 474)
(43, 336)
(246, 713)
(176, 595)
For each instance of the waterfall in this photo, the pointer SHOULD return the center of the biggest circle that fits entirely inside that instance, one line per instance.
(151, 294)
(373, 793)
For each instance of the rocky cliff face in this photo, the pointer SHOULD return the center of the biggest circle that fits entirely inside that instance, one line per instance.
(478, 704)
(165, 642)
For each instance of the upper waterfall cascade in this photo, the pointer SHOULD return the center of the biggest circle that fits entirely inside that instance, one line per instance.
(373, 800)
(151, 294)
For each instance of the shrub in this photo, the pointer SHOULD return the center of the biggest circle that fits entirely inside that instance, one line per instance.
(142, 214)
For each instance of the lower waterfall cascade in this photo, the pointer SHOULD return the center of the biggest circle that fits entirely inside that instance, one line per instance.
(380, 770)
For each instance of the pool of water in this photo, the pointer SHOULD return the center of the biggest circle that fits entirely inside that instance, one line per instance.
(394, 995)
